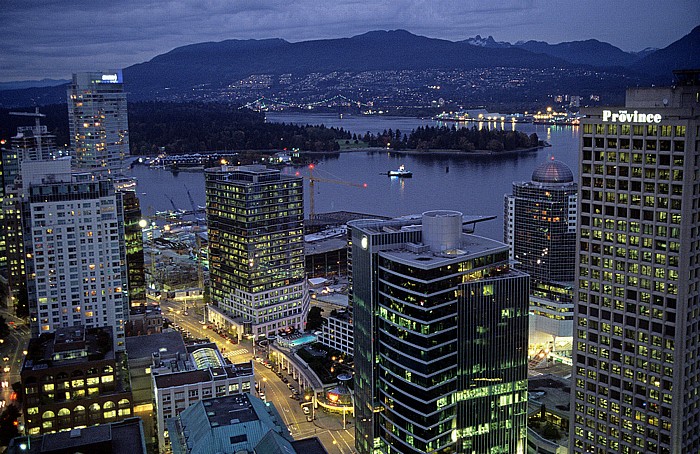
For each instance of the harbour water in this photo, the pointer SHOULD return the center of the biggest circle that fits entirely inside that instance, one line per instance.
(472, 185)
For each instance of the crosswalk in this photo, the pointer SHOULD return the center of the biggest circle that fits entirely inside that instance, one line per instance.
(240, 351)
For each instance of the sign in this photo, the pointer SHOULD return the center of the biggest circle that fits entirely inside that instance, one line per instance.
(622, 116)
(110, 78)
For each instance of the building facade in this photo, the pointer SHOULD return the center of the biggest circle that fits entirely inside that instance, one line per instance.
(72, 378)
(336, 332)
(76, 271)
(440, 323)
(636, 364)
(97, 117)
(182, 380)
(256, 247)
(540, 223)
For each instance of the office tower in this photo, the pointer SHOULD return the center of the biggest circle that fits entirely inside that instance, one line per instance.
(540, 230)
(133, 238)
(256, 247)
(97, 117)
(440, 322)
(637, 325)
(74, 244)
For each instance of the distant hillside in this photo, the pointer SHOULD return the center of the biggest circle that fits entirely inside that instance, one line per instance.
(590, 52)
(21, 84)
(228, 61)
(682, 54)
(198, 70)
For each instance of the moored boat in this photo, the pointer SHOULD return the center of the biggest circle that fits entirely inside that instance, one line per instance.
(401, 172)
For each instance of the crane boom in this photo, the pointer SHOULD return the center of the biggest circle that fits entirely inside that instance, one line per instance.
(312, 180)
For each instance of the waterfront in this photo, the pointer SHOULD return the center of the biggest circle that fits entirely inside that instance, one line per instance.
(473, 185)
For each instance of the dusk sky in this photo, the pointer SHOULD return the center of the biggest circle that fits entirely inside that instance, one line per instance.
(54, 38)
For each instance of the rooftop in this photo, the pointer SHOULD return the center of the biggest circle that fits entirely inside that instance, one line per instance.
(553, 172)
(71, 345)
(142, 347)
(123, 437)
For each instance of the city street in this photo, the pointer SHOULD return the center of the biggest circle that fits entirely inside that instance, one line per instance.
(328, 428)
(12, 348)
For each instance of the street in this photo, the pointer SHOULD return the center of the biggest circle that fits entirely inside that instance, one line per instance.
(328, 428)
(12, 348)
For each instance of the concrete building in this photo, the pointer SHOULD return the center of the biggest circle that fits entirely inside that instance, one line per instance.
(180, 380)
(123, 437)
(637, 325)
(256, 247)
(540, 224)
(75, 249)
(140, 350)
(337, 332)
(440, 323)
(73, 378)
(235, 424)
(97, 117)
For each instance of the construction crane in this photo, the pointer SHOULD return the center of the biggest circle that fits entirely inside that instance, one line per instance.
(194, 207)
(312, 181)
(37, 122)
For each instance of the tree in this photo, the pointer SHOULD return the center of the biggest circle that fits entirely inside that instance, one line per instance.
(534, 140)
(314, 321)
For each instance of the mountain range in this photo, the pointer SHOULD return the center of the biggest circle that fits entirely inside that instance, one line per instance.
(216, 65)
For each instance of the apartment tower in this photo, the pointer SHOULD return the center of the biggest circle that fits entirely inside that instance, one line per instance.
(256, 247)
(74, 243)
(98, 122)
(637, 325)
(440, 323)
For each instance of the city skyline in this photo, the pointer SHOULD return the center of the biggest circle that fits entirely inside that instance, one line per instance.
(124, 36)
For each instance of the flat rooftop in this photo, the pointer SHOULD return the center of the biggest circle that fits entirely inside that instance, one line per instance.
(62, 346)
(470, 246)
(142, 347)
(232, 409)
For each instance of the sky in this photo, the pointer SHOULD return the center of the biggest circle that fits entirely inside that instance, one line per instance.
(54, 38)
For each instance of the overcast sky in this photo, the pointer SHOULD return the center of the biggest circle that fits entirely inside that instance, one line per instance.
(53, 38)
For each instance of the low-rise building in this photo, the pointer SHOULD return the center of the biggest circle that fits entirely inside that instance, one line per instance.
(122, 437)
(336, 332)
(233, 424)
(181, 380)
(73, 378)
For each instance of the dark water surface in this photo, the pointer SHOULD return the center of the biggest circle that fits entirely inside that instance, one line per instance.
(473, 185)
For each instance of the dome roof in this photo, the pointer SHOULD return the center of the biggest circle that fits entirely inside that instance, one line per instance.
(553, 172)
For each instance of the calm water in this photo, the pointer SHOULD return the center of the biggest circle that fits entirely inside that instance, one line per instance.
(472, 185)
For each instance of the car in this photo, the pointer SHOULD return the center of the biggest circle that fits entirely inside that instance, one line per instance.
(284, 380)
(305, 410)
(6, 369)
(6, 358)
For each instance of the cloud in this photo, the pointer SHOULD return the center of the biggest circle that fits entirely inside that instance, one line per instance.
(53, 38)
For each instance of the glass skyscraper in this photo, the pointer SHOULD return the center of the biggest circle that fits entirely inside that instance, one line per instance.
(97, 117)
(440, 321)
(637, 325)
(540, 224)
(255, 221)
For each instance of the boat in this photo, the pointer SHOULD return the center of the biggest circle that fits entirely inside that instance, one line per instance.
(401, 172)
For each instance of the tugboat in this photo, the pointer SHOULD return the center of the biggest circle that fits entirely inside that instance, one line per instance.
(401, 172)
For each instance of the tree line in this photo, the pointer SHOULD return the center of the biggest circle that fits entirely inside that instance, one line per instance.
(452, 138)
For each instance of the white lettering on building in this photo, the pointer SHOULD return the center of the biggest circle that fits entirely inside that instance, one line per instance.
(623, 116)
(110, 78)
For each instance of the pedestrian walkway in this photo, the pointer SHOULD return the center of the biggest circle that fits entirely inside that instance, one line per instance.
(240, 351)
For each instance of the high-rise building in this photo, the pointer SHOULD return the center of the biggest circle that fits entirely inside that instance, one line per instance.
(637, 325)
(75, 249)
(440, 323)
(540, 230)
(133, 238)
(97, 116)
(256, 247)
